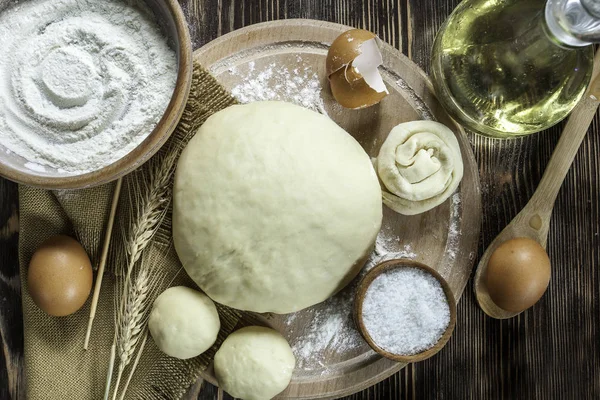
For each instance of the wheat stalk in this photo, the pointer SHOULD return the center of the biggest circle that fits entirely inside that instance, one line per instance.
(149, 197)
(134, 366)
(133, 315)
(111, 366)
(153, 196)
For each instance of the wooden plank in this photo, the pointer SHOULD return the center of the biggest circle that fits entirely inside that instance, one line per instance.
(11, 317)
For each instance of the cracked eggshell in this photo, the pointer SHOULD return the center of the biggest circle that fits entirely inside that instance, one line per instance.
(348, 85)
(345, 48)
(351, 90)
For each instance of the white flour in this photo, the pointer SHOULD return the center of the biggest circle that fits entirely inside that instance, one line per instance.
(454, 229)
(332, 329)
(82, 82)
(299, 85)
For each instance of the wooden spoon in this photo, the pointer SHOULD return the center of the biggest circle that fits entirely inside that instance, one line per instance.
(534, 220)
(360, 298)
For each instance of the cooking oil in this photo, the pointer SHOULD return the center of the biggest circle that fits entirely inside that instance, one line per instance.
(500, 70)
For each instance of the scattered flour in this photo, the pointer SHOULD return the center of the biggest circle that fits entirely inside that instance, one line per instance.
(453, 242)
(299, 85)
(332, 329)
(67, 194)
(82, 82)
(417, 102)
(383, 243)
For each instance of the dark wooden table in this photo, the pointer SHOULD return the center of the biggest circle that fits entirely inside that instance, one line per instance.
(549, 352)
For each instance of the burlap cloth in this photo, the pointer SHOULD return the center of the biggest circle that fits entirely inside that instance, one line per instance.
(56, 366)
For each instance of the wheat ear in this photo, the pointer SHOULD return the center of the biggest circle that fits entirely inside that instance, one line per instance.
(133, 320)
(149, 196)
(134, 366)
(151, 206)
(150, 203)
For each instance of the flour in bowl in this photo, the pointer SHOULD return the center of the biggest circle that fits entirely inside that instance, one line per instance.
(82, 82)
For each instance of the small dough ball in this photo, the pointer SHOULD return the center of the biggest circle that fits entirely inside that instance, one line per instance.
(59, 279)
(275, 207)
(184, 323)
(254, 363)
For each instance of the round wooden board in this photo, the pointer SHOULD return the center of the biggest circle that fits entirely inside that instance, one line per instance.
(444, 238)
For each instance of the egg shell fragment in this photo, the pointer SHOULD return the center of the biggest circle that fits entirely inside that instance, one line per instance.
(345, 48)
(351, 87)
(351, 91)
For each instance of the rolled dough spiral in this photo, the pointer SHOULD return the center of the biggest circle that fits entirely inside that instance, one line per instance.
(419, 165)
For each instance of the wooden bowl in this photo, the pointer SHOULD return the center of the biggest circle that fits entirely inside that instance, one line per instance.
(172, 22)
(360, 297)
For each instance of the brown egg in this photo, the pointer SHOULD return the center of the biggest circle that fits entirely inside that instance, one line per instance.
(518, 274)
(60, 276)
(348, 86)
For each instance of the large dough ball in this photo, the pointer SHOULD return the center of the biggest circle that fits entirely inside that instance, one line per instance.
(275, 207)
(184, 323)
(254, 363)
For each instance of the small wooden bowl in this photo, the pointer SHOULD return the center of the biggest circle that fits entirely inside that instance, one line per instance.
(172, 22)
(360, 297)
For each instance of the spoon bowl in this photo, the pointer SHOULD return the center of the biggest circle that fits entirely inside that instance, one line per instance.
(516, 229)
(364, 285)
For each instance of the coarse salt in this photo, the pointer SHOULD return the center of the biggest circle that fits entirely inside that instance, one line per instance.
(405, 311)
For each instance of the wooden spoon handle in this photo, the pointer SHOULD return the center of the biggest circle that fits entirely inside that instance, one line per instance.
(575, 130)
